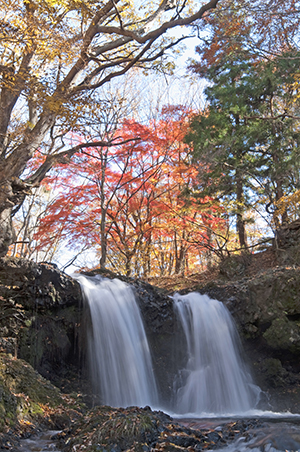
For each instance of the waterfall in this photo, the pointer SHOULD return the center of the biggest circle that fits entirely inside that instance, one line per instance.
(215, 379)
(118, 348)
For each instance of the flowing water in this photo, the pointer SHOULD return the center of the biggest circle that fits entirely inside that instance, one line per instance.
(118, 347)
(275, 432)
(215, 379)
(214, 383)
(42, 442)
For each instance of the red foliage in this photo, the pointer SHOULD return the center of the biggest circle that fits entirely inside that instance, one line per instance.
(134, 191)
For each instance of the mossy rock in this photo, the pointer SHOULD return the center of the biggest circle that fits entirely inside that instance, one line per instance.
(235, 266)
(106, 429)
(275, 375)
(283, 335)
(286, 289)
(27, 398)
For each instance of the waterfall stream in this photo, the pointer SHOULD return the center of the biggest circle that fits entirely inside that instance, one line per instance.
(215, 379)
(118, 347)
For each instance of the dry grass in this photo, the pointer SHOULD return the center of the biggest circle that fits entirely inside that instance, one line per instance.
(252, 264)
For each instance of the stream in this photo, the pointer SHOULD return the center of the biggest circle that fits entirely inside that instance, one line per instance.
(281, 434)
(44, 441)
(260, 434)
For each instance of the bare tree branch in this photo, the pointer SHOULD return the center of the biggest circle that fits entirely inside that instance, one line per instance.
(65, 156)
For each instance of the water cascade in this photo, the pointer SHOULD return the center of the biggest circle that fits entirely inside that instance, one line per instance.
(120, 356)
(215, 379)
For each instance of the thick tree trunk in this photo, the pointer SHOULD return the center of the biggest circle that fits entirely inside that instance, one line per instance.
(128, 266)
(12, 194)
(7, 235)
(9, 196)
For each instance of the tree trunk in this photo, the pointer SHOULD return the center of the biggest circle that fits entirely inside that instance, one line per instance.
(128, 266)
(103, 251)
(7, 235)
(180, 260)
(103, 239)
(240, 222)
(8, 200)
(241, 230)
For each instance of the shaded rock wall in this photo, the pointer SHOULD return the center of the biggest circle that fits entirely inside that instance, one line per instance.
(165, 335)
(41, 319)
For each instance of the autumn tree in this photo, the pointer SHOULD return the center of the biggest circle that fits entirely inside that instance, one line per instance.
(129, 208)
(249, 134)
(55, 55)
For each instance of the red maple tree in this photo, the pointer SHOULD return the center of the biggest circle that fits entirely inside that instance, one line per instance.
(133, 204)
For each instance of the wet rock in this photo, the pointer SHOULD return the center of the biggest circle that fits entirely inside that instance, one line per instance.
(141, 430)
(274, 373)
(41, 319)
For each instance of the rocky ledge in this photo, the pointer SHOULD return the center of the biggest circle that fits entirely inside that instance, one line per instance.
(43, 323)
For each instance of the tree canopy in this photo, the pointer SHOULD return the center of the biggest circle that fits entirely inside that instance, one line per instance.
(126, 204)
(249, 132)
(55, 56)
(152, 197)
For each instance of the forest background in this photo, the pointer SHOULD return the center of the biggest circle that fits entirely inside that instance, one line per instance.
(101, 165)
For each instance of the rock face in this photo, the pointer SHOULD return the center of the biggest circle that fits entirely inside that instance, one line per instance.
(165, 336)
(41, 318)
(37, 285)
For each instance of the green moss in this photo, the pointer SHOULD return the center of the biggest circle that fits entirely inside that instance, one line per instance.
(29, 322)
(283, 335)
(28, 410)
(27, 396)
(274, 373)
